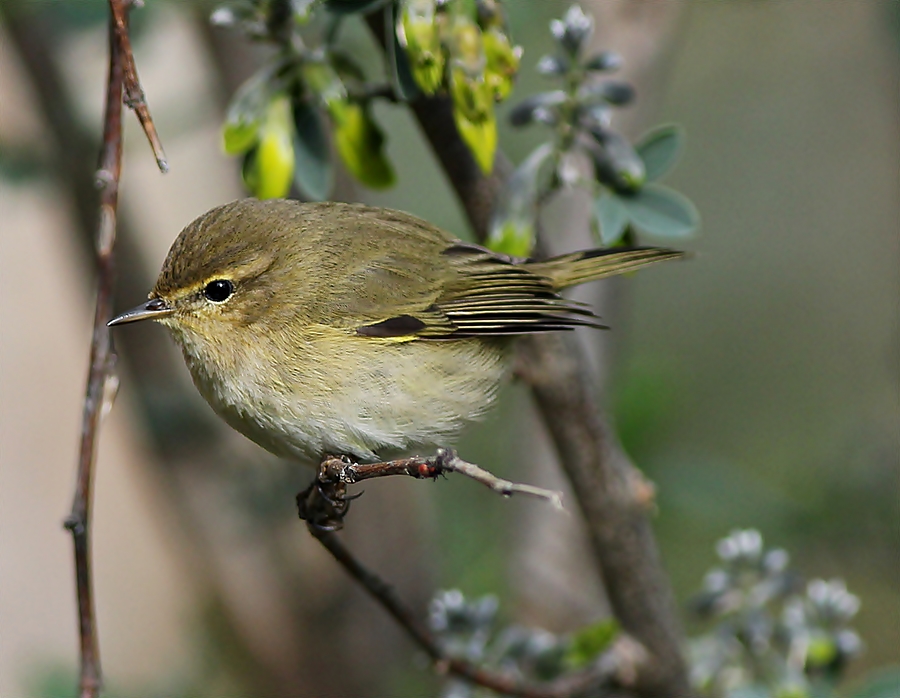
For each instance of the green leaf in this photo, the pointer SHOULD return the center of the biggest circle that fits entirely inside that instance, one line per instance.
(313, 172)
(513, 220)
(360, 143)
(419, 45)
(662, 212)
(502, 62)
(480, 137)
(402, 77)
(587, 644)
(612, 218)
(473, 112)
(660, 149)
(269, 167)
(322, 78)
(514, 237)
(883, 683)
(246, 113)
(821, 650)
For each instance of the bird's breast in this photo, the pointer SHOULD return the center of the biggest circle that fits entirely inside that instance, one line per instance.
(328, 391)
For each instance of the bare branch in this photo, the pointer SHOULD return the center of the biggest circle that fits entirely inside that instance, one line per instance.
(618, 662)
(100, 371)
(101, 381)
(326, 501)
(444, 461)
(134, 93)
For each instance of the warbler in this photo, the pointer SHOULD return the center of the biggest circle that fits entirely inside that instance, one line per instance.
(341, 329)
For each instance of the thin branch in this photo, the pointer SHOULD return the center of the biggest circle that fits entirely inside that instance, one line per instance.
(100, 371)
(603, 673)
(444, 461)
(134, 93)
(101, 381)
(325, 503)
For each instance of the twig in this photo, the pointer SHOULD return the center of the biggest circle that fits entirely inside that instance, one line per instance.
(101, 380)
(326, 501)
(444, 461)
(384, 594)
(134, 93)
(100, 371)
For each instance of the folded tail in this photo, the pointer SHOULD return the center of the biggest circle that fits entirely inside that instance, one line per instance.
(580, 267)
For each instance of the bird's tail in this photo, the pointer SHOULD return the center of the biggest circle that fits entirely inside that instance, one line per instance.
(579, 267)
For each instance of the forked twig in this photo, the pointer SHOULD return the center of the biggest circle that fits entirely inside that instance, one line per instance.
(101, 364)
(134, 93)
(101, 380)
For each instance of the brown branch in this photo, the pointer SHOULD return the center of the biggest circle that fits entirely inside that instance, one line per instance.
(324, 504)
(134, 93)
(603, 673)
(445, 461)
(615, 500)
(101, 380)
(100, 371)
(326, 501)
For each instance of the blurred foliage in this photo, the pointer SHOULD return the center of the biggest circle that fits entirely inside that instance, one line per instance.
(770, 635)
(622, 177)
(770, 639)
(468, 629)
(459, 48)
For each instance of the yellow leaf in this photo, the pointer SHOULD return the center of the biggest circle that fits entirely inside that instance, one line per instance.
(269, 168)
(480, 137)
(360, 143)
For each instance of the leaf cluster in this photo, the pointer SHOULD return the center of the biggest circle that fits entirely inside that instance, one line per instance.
(468, 629)
(771, 636)
(622, 177)
(280, 119)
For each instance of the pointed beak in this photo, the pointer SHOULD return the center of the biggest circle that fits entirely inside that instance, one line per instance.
(151, 310)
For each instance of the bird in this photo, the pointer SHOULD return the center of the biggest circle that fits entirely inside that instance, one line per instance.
(336, 329)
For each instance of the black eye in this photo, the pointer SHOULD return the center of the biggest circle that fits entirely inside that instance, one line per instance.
(218, 290)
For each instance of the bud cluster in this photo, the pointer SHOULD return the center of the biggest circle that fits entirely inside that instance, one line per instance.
(769, 635)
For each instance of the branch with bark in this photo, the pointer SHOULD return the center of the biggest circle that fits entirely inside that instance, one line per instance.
(101, 383)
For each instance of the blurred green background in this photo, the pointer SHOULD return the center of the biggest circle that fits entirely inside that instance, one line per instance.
(757, 384)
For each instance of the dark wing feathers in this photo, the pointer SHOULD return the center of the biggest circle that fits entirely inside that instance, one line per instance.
(485, 294)
(469, 291)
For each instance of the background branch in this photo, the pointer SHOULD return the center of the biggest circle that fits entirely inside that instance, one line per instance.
(101, 383)
(571, 685)
(100, 371)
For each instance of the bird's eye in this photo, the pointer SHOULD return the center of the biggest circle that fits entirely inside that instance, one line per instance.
(219, 290)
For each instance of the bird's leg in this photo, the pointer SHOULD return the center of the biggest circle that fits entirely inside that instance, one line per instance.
(325, 503)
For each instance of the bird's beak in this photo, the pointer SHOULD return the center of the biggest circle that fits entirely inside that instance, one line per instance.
(153, 309)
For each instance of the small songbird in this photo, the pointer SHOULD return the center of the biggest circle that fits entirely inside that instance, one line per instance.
(342, 329)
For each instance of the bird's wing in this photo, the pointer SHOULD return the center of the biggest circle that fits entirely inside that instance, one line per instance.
(408, 279)
(490, 294)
